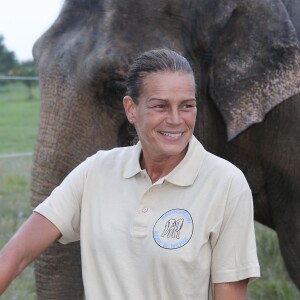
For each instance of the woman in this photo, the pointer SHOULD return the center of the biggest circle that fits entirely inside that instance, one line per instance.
(163, 219)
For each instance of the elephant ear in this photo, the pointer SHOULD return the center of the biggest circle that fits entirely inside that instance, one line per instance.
(256, 64)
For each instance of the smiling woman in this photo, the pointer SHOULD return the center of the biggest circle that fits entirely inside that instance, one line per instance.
(161, 103)
(164, 116)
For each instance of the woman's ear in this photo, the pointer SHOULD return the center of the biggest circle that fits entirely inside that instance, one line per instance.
(129, 107)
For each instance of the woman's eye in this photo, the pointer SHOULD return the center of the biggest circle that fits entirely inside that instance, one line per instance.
(160, 106)
(187, 106)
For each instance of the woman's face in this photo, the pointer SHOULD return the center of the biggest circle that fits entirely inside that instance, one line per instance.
(165, 115)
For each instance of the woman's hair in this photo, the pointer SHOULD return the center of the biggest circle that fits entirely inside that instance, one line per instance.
(160, 60)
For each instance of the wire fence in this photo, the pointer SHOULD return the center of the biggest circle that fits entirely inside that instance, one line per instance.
(13, 155)
(18, 78)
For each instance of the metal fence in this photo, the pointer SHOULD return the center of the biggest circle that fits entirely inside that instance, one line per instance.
(18, 78)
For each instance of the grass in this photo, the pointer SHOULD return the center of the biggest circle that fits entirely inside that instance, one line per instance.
(275, 283)
(18, 118)
(18, 128)
(15, 209)
(17, 113)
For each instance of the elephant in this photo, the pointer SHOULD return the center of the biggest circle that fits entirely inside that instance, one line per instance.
(246, 59)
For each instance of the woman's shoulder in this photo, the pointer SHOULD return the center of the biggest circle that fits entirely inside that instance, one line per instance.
(112, 158)
(222, 168)
(114, 153)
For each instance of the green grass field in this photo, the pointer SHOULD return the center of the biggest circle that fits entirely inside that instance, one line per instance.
(18, 118)
(18, 127)
(15, 209)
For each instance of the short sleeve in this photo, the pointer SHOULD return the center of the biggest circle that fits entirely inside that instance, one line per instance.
(63, 206)
(234, 254)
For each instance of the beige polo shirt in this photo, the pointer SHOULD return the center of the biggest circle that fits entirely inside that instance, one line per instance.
(167, 240)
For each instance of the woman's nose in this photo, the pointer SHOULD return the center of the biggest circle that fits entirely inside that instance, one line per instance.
(174, 116)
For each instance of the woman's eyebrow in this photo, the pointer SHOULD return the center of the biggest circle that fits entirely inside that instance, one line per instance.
(153, 98)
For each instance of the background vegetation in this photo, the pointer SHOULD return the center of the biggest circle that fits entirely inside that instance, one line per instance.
(18, 118)
(10, 66)
(18, 129)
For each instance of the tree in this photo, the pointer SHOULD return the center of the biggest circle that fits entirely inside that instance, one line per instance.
(10, 66)
(7, 59)
(26, 69)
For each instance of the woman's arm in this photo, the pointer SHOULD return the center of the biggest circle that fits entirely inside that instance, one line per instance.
(34, 236)
(231, 290)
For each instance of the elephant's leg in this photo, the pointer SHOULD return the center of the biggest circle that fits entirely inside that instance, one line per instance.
(289, 241)
(284, 190)
(284, 187)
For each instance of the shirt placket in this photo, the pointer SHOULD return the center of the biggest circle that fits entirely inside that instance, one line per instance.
(144, 211)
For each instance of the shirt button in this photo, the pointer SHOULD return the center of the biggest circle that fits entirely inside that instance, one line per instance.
(145, 209)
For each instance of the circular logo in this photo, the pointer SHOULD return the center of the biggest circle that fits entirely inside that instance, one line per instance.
(173, 229)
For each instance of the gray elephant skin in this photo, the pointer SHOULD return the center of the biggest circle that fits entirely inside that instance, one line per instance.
(246, 59)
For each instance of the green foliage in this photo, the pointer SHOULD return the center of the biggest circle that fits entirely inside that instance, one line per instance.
(26, 69)
(7, 59)
(275, 282)
(9, 66)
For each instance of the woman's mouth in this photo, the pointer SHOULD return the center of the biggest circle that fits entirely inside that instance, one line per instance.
(171, 134)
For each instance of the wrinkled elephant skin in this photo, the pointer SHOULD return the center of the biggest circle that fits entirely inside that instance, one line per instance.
(246, 59)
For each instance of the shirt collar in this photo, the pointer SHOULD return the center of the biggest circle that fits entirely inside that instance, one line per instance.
(132, 165)
(184, 174)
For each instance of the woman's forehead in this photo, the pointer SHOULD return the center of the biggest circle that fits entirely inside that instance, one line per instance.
(163, 78)
(168, 85)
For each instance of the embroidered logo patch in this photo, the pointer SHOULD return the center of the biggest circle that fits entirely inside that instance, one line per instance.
(173, 229)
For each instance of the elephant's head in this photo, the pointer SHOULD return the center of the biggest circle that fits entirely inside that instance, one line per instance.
(248, 48)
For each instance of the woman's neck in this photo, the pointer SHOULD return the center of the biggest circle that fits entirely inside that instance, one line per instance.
(159, 167)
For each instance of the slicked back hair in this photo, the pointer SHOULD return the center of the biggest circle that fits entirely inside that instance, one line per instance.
(160, 60)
